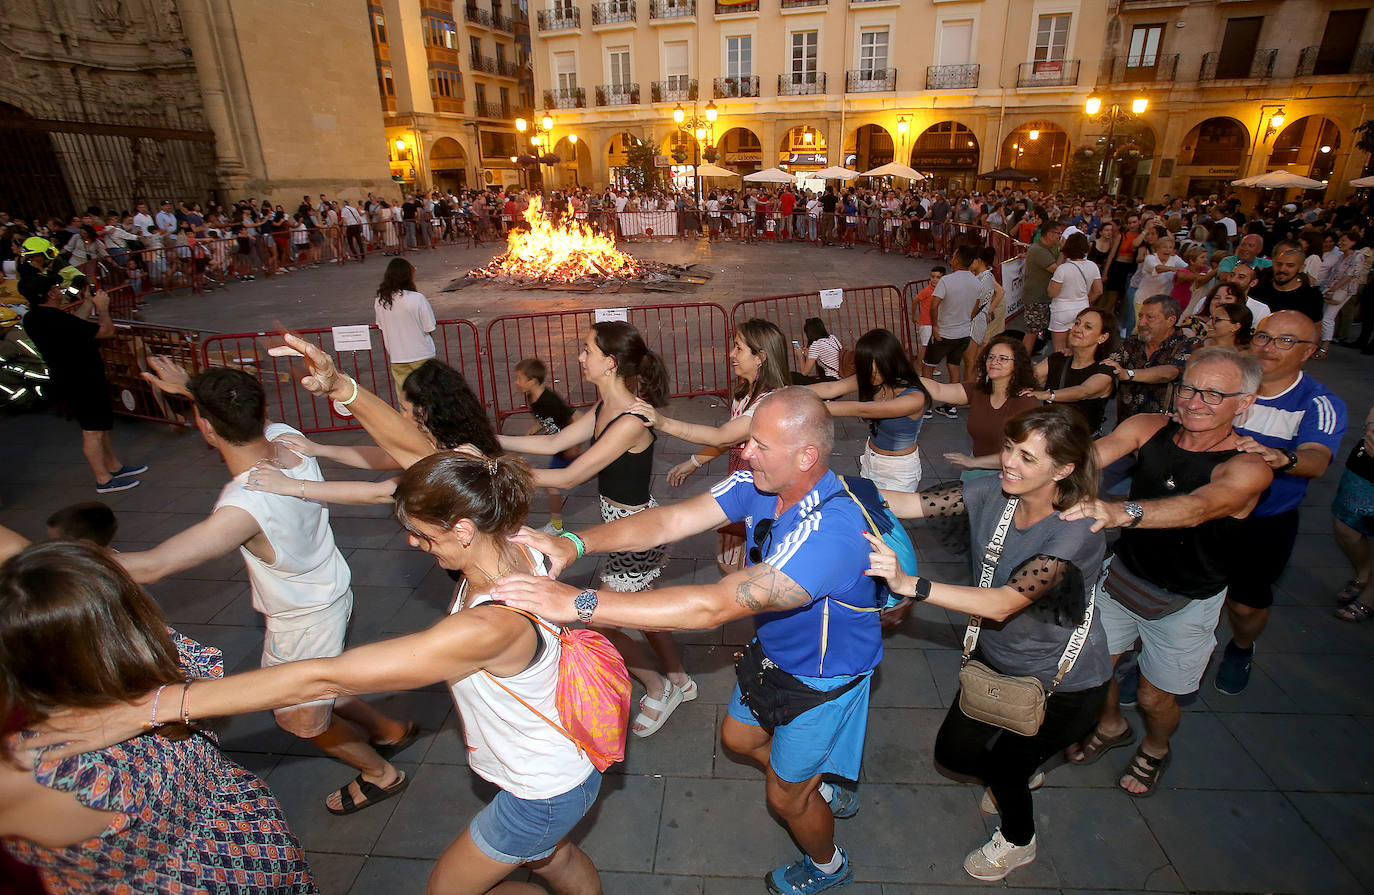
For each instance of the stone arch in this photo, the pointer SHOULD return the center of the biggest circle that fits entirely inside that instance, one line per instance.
(1308, 146)
(1039, 148)
(1131, 158)
(803, 148)
(740, 150)
(867, 147)
(1218, 142)
(574, 167)
(617, 157)
(448, 165)
(947, 152)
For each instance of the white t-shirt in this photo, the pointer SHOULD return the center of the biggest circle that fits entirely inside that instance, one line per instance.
(1157, 283)
(958, 293)
(308, 574)
(143, 223)
(406, 327)
(827, 355)
(1075, 279)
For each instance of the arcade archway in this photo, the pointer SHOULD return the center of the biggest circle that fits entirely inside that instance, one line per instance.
(947, 153)
(1040, 149)
(1308, 146)
(868, 147)
(448, 165)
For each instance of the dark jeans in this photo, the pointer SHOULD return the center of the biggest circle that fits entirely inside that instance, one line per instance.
(1268, 543)
(1005, 761)
(354, 233)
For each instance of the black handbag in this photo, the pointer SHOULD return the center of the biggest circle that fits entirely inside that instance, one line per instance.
(774, 696)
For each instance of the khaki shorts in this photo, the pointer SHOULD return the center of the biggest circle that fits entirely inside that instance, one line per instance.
(1175, 649)
(323, 639)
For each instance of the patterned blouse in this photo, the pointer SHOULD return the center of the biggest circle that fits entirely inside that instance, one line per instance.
(185, 818)
(1150, 397)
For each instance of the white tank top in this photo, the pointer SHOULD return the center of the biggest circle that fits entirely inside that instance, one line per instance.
(309, 574)
(508, 744)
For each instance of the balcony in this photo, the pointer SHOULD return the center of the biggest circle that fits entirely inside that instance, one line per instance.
(508, 68)
(731, 88)
(802, 4)
(492, 110)
(482, 63)
(1312, 62)
(672, 9)
(675, 91)
(559, 19)
(613, 12)
(617, 94)
(441, 54)
(501, 23)
(565, 98)
(477, 16)
(870, 80)
(1144, 69)
(725, 7)
(1048, 73)
(450, 104)
(1239, 68)
(801, 84)
(951, 77)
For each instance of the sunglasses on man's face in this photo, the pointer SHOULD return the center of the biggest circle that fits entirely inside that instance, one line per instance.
(763, 531)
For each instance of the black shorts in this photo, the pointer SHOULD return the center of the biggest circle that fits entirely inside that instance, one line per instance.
(951, 351)
(91, 408)
(1264, 545)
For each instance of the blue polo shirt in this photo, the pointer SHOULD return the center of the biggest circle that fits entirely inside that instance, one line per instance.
(819, 544)
(1304, 413)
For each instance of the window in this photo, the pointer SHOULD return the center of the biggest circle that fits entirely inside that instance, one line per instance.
(501, 55)
(565, 66)
(872, 54)
(618, 66)
(498, 144)
(479, 96)
(564, 8)
(804, 53)
(475, 47)
(1144, 50)
(675, 64)
(441, 33)
(387, 85)
(1052, 37)
(445, 84)
(379, 27)
(505, 99)
(956, 42)
(739, 56)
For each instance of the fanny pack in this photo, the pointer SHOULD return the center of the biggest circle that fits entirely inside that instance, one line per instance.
(1015, 704)
(1147, 600)
(774, 696)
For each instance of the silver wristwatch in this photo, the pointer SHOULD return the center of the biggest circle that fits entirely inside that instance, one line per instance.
(1135, 511)
(585, 604)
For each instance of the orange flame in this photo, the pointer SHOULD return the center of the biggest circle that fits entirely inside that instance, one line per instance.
(564, 252)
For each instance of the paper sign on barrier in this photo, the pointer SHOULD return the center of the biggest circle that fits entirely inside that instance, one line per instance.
(607, 315)
(352, 338)
(832, 298)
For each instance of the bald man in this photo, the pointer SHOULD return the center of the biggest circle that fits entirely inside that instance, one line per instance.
(1295, 425)
(1247, 252)
(815, 614)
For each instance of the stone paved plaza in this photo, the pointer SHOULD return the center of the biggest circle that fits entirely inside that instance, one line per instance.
(1270, 791)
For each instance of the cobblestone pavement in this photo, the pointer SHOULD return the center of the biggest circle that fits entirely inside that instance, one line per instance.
(1270, 791)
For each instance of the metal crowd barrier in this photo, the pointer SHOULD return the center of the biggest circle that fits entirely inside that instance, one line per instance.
(691, 338)
(126, 359)
(859, 310)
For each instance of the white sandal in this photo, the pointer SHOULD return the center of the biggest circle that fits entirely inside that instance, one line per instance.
(689, 690)
(643, 725)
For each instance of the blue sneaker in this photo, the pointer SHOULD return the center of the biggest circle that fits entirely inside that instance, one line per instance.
(1233, 673)
(844, 803)
(114, 485)
(126, 470)
(803, 878)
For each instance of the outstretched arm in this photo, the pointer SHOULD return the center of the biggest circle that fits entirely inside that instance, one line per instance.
(1234, 490)
(945, 392)
(829, 391)
(903, 405)
(724, 437)
(266, 477)
(577, 432)
(228, 528)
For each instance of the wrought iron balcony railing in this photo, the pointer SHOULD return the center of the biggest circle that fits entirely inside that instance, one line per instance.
(674, 91)
(1144, 69)
(730, 88)
(948, 77)
(1257, 66)
(672, 9)
(870, 80)
(613, 12)
(566, 98)
(1048, 73)
(559, 19)
(617, 94)
(801, 84)
(1312, 62)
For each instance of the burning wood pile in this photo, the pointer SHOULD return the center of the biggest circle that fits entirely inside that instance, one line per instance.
(573, 257)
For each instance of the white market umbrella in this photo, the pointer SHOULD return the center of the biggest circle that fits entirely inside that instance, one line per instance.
(895, 169)
(834, 173)
(709, 170)
(1279, 180)
(1363, 181)
(769, 175)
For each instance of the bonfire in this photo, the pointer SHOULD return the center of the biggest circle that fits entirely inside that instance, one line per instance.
(565, 252)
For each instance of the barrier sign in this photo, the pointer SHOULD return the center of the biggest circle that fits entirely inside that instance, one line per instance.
(832, 298)
(608, 315)
(352, 338)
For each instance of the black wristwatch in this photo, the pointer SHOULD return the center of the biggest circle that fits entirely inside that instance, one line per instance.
(1292, 460)
(922, 590)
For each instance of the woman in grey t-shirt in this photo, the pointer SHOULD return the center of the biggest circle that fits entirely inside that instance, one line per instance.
(1038, 595)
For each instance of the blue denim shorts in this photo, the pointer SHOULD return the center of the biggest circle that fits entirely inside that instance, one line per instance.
(513, 830)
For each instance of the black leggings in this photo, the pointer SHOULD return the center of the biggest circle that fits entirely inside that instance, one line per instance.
(1005, 761)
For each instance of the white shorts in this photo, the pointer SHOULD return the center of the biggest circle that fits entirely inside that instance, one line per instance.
(1175, 649)
(322, 639)
(925, 332)
(1062, 314)
(891, 473)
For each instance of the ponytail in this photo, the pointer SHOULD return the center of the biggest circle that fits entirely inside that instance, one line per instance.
(642, 371)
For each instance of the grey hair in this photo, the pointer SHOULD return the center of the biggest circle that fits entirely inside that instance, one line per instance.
(1249, 367)
(1167, 303)
(804, 417)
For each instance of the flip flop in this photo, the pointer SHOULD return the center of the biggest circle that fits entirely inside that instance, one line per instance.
(1354, 611)
(1096, 745)
(1146, 769)
(371, 791)
(672, 698)
(390, 750)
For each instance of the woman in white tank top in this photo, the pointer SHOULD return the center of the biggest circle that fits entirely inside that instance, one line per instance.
(461, 510)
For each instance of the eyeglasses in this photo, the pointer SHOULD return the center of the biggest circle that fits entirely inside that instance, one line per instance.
(1209, 395)
(763, 531)
(1001, 358)
(1283, 343)
(1222, 319)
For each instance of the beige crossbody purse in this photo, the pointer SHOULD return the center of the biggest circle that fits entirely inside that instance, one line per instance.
(1015, 704)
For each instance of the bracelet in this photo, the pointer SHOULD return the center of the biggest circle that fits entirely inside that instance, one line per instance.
(577, 542)
(302, 490)
(695, 462)
(353, 397)
(186, 703)
(150, 725)
(1051, 401)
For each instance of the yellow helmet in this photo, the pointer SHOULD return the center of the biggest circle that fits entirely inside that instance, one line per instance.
(37, 245)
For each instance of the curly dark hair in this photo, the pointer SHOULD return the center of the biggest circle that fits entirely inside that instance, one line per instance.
(398, 277)
(448, 408)
(1022, 370)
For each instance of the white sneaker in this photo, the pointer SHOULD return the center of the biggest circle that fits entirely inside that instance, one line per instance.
(551, 529)
(998, 857)
(989, 806)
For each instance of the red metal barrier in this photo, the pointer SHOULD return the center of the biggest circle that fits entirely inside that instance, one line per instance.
(126, 358)
(455, 342)
(692, 339)
(862, 309)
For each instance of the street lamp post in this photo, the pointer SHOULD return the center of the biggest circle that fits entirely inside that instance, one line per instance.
(543, 130)
(1112, 116)
(703, 128)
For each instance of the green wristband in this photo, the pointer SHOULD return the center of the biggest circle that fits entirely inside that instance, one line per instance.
(577, 542)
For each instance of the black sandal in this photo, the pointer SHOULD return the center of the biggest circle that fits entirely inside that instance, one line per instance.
(1097, 745)
(371, 791)
(389, 750)
(1146, 769)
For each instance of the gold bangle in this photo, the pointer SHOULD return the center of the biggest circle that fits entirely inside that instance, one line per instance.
(353, 397)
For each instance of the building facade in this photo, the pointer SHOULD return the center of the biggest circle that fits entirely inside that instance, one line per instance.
(955, 88)
(453, 77)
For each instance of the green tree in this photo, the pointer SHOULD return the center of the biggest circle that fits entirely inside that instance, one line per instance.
(1365, 141)
(641, 174)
